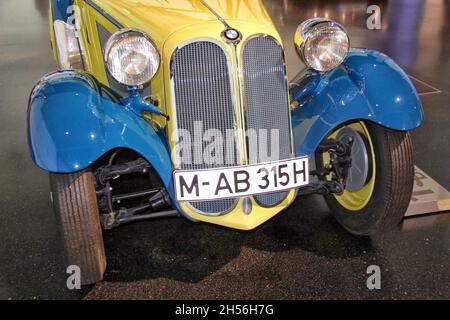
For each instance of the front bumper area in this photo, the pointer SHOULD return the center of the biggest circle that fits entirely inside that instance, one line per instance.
(238, 218)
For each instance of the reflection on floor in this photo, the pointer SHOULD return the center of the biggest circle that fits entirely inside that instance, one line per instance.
(302, 253)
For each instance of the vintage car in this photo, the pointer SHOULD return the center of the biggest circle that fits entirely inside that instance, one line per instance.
(169, 108)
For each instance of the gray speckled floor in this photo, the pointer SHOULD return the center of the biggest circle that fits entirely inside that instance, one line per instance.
(302, 253)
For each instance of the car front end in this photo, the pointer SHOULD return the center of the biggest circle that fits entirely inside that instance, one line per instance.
(220, 70)
(168, 108)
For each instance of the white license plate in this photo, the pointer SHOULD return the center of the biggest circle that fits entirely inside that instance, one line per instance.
(212, 184)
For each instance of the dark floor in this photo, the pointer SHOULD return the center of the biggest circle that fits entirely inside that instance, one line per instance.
(302, 253)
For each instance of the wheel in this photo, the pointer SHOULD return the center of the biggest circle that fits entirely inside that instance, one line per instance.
(380, 181)
(77, 216)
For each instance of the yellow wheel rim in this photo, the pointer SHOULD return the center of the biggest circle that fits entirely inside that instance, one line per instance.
(355, 201)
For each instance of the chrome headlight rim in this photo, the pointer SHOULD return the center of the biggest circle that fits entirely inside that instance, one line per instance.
(306, 30)
(123, 33)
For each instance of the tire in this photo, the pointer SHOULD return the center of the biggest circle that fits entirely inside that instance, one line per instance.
(77, 215)
(392, 189)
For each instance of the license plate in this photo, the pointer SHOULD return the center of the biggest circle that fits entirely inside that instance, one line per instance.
(213, 184)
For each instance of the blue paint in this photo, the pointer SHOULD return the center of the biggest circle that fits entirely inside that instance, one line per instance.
(135, 103)
(70, 126)
(307, 87)
(60, 9)
(370, 86)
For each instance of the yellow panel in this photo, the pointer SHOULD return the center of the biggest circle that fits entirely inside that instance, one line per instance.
(52, 32)
(158, 18)
(161, 18)
(241, 10)
(237, 219)
(95, 65)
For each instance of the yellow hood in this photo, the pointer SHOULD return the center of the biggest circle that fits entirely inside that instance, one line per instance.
(160, 18)
(245, 10)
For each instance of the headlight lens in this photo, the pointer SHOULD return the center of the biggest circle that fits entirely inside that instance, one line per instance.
(131, 57)
(323, 44)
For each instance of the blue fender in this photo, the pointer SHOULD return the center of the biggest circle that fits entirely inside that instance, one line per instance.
(368, 86)
(70, 126)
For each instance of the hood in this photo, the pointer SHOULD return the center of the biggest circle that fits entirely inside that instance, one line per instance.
(244, 10)
(160, 18)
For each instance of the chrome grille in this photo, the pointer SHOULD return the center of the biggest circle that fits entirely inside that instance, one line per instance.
(266, 102)
(202, 87)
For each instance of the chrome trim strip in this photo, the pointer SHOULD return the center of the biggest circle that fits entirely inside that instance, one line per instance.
(241, 114)
(219, 17)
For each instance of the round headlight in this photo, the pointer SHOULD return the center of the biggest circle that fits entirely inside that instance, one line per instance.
(131, 57)
(323, 44)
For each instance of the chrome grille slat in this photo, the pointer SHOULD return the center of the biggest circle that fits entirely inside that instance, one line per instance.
(266, 100)
(202, 85)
